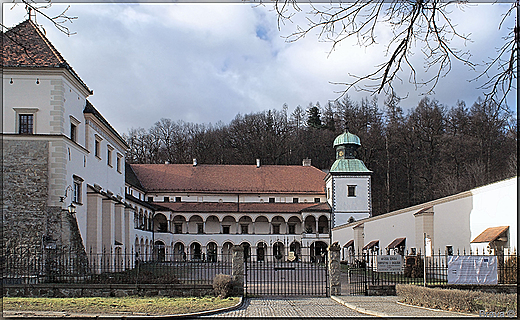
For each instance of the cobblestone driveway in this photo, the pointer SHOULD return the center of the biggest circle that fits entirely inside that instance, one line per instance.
(291, 307)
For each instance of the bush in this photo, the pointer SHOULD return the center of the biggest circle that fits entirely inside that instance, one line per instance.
(223, 285)
(456, 300)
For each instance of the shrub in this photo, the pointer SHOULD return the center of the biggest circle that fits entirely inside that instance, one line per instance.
(222, 285)
(456, 300)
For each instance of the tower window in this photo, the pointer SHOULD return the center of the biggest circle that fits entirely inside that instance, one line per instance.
(351, 191)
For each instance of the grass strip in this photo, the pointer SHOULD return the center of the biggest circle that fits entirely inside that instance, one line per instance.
(113, 305)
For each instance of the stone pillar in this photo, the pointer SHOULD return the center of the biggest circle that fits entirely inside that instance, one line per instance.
(334, 269)
(237, 272)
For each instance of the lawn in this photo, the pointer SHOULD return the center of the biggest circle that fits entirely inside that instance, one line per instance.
(126, 305)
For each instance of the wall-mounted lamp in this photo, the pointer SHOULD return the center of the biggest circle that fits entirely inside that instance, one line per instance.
(71, 208)
(11, 82)
(37, 81)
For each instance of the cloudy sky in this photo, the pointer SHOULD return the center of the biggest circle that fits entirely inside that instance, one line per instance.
(205, 63)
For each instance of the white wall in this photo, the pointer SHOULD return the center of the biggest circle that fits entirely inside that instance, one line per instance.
(496, 205)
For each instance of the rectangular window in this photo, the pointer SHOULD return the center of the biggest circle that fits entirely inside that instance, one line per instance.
(118, 163)
(317, 200)
(178, 228)
(292, 229)
(109, 156)
(177, 199)
(244, 229)
(166, 199)
(73, 132)
(26, 124)
(295, 200)
(271, 200)
(200, 228)
(97, 148)
(351, 191)
(225, 229)
(150, 199)
(276, 229)
(76, 197)
(328, 193)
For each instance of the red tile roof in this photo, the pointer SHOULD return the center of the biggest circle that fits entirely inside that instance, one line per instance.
(490, 234)
(246, 207)
(25, 45)
(230, 178)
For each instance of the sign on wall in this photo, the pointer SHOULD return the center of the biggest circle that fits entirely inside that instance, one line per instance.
(472, 270)
(389, 263)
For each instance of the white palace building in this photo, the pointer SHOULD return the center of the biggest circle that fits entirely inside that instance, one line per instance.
(66, 184)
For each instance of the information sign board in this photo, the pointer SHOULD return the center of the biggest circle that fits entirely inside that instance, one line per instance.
(472, 270)
(389, 263)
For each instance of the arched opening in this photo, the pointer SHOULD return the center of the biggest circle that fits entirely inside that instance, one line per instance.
(295, 248)
(226, 251)
(196, 225)
(196, 251)
(178, 252)
(245, 225)
(247, 250)
(278, 225)
(178, 224)
(294, 225)
(211, 250)
(160, 223)
(310, 224)
(229, 225)
(159, 251)
(318, 252)
(261, 247)
(323, 225)
(278, 250)
(212, 225)
(261, 225)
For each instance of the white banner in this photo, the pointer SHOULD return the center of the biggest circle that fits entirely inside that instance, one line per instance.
(472, 270)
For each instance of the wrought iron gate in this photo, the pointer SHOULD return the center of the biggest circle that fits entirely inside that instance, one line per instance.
(287, 275)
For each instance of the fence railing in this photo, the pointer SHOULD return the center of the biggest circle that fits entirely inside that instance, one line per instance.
(113, 266)
(416, 269)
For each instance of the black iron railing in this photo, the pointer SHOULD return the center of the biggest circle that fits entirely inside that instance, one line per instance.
(113, 266)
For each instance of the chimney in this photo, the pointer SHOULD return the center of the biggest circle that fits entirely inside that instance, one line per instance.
(258, 163)
(194, 162)
(306, 162)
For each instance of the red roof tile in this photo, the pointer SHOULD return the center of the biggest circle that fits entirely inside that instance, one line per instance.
(232, 207)
(25, 45)
(230, 178)
(490, 234)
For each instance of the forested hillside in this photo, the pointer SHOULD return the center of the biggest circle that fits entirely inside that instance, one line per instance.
(429, 152)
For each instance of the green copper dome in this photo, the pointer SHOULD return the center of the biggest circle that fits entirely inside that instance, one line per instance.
(347, 138)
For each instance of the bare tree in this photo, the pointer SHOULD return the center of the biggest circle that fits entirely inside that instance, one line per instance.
(38, 7)
(424, 23)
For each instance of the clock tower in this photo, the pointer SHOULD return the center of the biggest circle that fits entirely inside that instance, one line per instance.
(348, 183)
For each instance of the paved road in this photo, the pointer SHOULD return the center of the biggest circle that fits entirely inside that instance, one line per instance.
(291, 307)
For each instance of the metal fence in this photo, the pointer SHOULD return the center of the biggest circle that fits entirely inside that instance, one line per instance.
(113, 266)
(362, 269)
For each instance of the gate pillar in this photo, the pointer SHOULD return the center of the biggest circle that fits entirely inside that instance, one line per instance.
(237, 271)
(334, 269)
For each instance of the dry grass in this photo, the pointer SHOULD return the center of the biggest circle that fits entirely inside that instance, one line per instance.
(456, 300)
(126, 305)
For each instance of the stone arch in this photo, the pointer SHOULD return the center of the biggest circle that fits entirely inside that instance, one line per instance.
(261, 251)
(179, 251)
(310, 224)
(323, 224)
(195, 251)
(179, 224)
(227, 250)
(159, 251)
(229, 222)
(294, 225)
(160, 223)
(262, 225)
(278, 225)
(318, 252)
(212, 251)
(246, 225)
(278, 250)
(212, 225)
